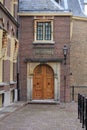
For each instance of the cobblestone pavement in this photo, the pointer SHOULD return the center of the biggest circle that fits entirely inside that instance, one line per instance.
(43, 117)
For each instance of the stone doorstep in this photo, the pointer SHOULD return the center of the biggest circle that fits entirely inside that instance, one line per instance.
(43, 102)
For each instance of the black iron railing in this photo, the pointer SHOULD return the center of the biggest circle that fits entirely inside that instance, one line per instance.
(82, 110)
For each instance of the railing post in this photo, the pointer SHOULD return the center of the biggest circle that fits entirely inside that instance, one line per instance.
(83, 111)
(72, 93)
(78, 106)
(86, 113)
(18, 86)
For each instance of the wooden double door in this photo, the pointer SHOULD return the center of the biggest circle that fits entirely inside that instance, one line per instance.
(43, 83)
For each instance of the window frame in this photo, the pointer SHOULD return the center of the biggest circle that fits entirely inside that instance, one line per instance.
(35, 32)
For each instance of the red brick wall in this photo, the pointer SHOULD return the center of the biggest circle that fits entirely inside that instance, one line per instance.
(61, 29)
(62, 36)
(78, 57)
(79, 53)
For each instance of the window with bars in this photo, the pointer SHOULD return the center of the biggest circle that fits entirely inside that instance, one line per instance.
(43, 31)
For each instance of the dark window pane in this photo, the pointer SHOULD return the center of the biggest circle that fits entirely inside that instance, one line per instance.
(48, 31)
(43, 31)
(39, 31)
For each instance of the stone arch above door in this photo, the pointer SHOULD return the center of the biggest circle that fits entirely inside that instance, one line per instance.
(55, 66)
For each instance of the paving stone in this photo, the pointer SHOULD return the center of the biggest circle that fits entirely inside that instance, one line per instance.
(42, 117)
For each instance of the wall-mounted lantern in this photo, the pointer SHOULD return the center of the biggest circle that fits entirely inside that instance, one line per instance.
(65, 51)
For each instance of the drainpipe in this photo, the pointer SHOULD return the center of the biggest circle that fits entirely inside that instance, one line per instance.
(18, 88)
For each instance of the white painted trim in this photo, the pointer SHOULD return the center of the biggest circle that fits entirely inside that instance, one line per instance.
(16, 95)
(85, 1)
(2, 91)
(81, 7)
(3, 83)
(7, 98)
(13, 82)
(48, 13)
(66, 4)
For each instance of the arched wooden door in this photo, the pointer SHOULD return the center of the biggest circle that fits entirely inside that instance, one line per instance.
(43, 83)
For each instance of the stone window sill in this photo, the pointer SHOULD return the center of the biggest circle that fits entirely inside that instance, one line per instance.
(3, 83)
(13, 82)
(43, 42)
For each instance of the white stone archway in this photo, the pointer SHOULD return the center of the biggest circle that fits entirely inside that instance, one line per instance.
(30, 69)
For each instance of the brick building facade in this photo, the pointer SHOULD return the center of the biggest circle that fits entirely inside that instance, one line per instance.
(8, 52)
(68, 27)
(43, 74)
(78, 60)
(46, 29)
(78, 46)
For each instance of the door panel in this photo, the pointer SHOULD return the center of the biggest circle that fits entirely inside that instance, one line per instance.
(37, 88)
(49, 89)
(43, 82)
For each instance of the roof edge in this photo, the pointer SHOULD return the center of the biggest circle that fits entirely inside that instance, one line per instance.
(79, 18)
(45, 13)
